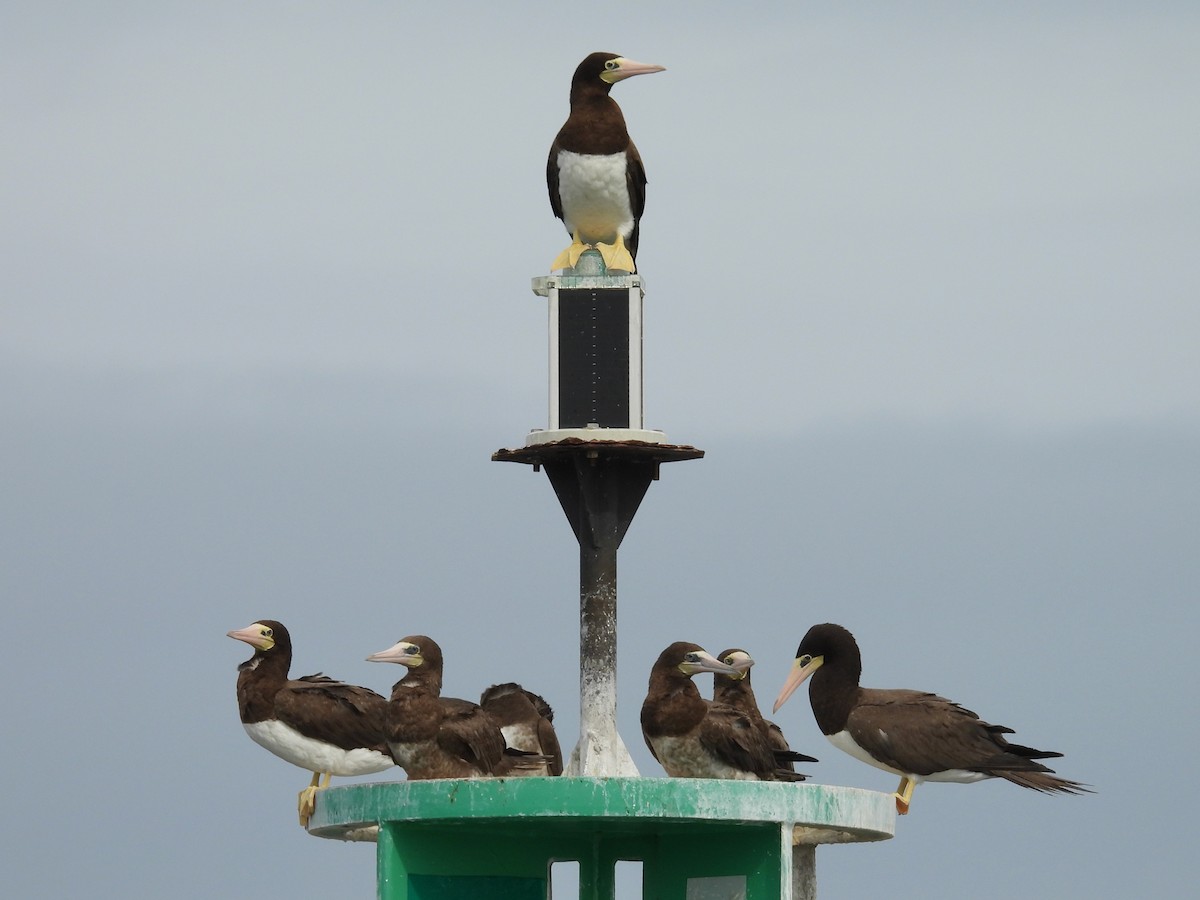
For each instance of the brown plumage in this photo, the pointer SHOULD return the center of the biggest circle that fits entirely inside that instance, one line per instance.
(432, 736)
(916, 735)
(736, 692)
(693, 738)
(582, 192)
(325, 726)
(527, 723)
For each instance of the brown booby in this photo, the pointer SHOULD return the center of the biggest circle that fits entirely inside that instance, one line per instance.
(325, 726)
(916, 735)
(736, 692)
(595, 176)
(527, 723)
(432, 736)
(694, 738)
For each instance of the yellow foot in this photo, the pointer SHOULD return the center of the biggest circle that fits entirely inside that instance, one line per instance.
(308, 797)
(616, 256)
(904, 795)
(308, 803)
(569, 257)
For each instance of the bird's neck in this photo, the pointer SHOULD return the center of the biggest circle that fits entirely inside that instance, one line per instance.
(679, 710)
(419, 680)
(260, 678)
(590, 95)
(597, 123)
(734, 693)
(833, 694)
(413, 714)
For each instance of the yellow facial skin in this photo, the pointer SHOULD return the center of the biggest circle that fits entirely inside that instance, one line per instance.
(619, 68)
(402, 652)
(801, 669)
(258, 636)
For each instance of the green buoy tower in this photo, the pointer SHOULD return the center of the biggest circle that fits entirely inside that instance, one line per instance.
(696, 839)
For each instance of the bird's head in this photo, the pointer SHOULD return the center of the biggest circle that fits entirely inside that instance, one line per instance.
(618, 68)
(821, 644)
(411, 652)
(740, 660)
(611, 68)
(691, 659)
(264, 635)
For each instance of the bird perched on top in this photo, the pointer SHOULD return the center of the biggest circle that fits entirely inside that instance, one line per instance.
(693, 738)
(325, 726)
(527, 723)
(432, 736)
(595, 176)
(735, 692)
(916, 735)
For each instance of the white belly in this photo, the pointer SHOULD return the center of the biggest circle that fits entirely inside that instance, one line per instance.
(519, 738)
(594, 196)
(683, 758)
(314, 755)
(846, 744)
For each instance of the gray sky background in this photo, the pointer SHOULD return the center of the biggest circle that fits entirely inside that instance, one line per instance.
(921, 279)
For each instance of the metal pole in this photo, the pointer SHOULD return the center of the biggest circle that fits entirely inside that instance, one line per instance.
(600, 497)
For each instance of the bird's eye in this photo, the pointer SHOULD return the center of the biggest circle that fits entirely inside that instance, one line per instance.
(266, 632)
(728, 660)
(413, 650)
(611, 64)
(804, 660)
(691, 657)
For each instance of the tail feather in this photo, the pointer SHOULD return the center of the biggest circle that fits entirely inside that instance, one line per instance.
(1046, 782)
(522, 762)
(783, 756)
(789, 775)
(996, 732)
(1030, 752)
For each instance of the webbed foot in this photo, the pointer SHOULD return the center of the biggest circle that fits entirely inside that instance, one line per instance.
(904, 796)
(569, 257)
(616, 256)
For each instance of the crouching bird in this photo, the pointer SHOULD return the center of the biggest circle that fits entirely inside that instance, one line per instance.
(325, 726)
(736, 692)
(432, 736)
(916, 735)
(595, 176)
(694, 738)
(527, 723)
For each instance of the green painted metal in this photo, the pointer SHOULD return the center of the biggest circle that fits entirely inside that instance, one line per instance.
(495, 839)
(454, 887)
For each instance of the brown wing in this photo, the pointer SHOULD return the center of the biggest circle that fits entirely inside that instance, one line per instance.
(540, 704)
(733, 737)
(923, 733)
(552, 180)
(785, 756)
(650, 747)
(345, 715)
(635, 180)
(548, 742)
(470, 734)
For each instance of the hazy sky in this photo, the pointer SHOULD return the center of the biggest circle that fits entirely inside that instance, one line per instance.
(921, 278)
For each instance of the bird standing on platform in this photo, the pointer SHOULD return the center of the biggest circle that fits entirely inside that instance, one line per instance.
(916, 735)
(527, 723)
(595, 176)
(693, 738)
(735, 692)
(432, 736)
(325, 726)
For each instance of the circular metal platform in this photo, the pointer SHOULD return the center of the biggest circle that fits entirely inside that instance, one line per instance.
(818, 813)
